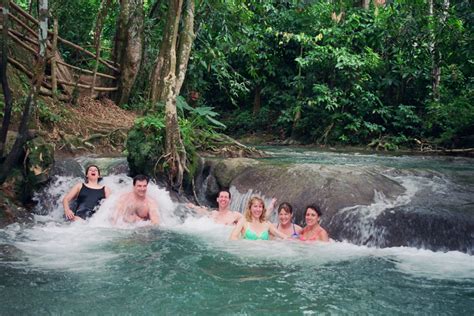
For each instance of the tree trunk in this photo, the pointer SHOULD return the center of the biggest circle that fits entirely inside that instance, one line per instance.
(296, 120)
(4, 79)
(186, 39)
(176, 154)
(297, 116)
(257, 99)
(436, 56)
(98, 32)
(132, 55)
(12, 158)
(121, 32)
(163, 62)
(365, 4)
(167, 79)
(54, 49)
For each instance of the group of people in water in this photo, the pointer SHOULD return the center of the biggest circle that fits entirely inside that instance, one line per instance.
(137, 206)
(131, 207)
(253, 223)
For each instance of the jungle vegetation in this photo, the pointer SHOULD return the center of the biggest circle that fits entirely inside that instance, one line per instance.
(383, 73)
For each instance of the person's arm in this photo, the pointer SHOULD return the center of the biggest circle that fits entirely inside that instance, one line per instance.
(323, 236)
(270, 208)
(71, 195)
(120, 208)
(298, 229)
(107, 192)
(153, 212)
(236, 232)
(276, 232)
(199, 209)
(238, 217)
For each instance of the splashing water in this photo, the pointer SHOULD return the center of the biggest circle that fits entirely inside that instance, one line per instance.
(189, 265)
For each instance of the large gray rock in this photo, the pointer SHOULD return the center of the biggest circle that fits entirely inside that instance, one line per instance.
(360, 204)
(330, 187)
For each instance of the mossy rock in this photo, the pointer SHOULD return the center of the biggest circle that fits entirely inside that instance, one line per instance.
(10, 212)
(40, 161)
(228, 169)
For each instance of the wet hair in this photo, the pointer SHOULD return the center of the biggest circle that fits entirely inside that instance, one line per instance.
(313, 207)
(248, 213)
(87, 170)
(286, 207)
(140, 177)
(224, 190)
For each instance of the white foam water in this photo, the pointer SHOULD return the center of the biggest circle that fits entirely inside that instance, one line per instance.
(82, 246)
(79, 246)
(451, 265)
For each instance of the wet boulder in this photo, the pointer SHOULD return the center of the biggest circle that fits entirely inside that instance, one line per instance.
(328, 186)
(40, 161)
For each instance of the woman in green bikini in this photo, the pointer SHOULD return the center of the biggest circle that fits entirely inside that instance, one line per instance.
(253, 225)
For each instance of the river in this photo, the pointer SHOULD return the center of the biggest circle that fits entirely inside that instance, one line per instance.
(188, 265)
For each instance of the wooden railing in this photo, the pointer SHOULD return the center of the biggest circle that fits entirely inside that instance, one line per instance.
(23, 32)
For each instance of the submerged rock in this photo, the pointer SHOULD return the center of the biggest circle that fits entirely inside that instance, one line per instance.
(11, 213)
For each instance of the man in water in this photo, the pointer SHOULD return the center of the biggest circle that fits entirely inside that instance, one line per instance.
(136, 206)
(223, 215)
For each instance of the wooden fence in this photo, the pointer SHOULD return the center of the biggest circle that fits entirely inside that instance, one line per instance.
(62, 79)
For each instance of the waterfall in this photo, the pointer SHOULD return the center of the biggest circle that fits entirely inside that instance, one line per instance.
(114, 171)
(422, 202)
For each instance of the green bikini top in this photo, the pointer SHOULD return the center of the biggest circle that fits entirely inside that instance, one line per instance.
(251, 235)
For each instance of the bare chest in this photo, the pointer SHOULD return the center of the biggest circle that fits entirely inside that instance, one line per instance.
(226, 219)
(139, 208)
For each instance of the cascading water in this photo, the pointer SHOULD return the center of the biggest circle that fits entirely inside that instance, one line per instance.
(188, 266)
(380, 201)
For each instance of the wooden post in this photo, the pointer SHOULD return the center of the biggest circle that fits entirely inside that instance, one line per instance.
(54, 81)
(98, 31)
(96, 66)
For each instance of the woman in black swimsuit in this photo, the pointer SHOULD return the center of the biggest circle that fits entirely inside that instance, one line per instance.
(87, 195)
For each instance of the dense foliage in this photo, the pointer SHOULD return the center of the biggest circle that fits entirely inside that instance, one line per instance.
(146, 140)
(332, 72)
(326, 72)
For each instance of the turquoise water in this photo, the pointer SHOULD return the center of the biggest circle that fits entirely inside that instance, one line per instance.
(161, 271)
(305, 155)
(188, 266)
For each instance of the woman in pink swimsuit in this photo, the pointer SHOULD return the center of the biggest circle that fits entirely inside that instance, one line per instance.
(313, 231)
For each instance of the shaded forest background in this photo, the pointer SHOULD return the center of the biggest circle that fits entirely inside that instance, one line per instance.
(387, 74)
(319, 71)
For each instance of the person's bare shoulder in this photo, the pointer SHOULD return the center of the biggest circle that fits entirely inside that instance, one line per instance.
(124, 196)
(152, 201)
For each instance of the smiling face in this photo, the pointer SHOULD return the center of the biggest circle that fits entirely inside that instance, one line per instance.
(311, 217)
(256, 209)
(223, 200)
(140, 187)
(92, 172)
(284, 217)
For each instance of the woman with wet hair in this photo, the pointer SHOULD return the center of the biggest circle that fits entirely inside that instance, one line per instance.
(253, 225)
(87, 194)
(313, 231)
(285, 223)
